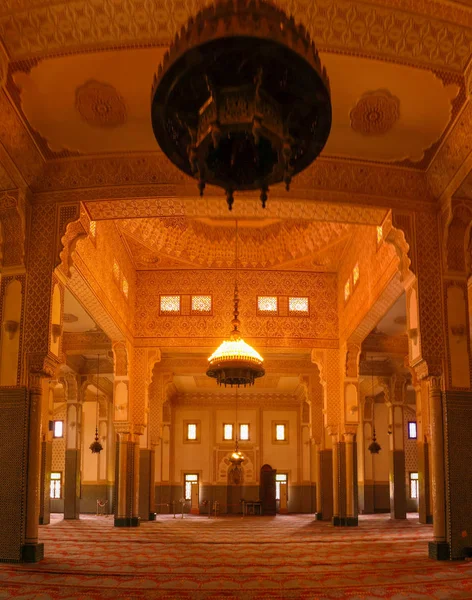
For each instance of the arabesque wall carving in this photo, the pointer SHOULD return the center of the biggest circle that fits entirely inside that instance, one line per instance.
(409, 33)
(321, 325)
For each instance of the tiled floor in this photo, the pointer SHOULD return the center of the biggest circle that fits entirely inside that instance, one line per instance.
(284, 557)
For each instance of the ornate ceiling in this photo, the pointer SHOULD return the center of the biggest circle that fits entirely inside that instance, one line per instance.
(87, 104)
(210, 243)
(75, 125)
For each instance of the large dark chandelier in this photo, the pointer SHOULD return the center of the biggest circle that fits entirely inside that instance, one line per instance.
(235, 362)
(241, 100)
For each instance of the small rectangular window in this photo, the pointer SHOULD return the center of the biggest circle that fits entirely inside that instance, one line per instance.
(125, 287)
(298, 306)
(170, 304)
(347, 290)
(267, 304)
(379, 234)
(116, 271)
(244, 432)
(280, 432)
(412, 431)
(93, 228)
(279, 478)
(355, 274)
(191, 431)
(58, 431)
(227, 431)
(190, 479)
(413, 485)
(201, 304)
(56, 485)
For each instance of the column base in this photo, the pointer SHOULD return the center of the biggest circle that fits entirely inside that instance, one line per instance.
(152, 516)
(345, 521)
(439, 550)
(194, 511)
(32, 553)
(126, 522)
(318, 516)
(283, 511)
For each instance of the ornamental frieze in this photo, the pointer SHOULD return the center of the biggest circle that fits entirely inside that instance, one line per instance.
(399, 30)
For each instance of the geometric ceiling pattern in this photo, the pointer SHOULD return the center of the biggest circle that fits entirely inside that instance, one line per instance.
(206, 243)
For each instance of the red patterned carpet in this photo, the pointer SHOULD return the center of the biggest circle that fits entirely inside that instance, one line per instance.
(229, 558)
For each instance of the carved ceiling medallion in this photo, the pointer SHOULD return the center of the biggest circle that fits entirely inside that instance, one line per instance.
(100, 105)
(375, 113)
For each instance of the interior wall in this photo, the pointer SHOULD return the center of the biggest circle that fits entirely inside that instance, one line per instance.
(186, 329)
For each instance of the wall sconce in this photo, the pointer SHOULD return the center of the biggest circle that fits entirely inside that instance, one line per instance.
(413, 334)
(458, 331)
(56, 331)
(389, 430)
(11, 327)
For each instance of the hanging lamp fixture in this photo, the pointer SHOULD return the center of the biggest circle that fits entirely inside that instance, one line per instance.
(241, 100)
(237, 456)
(235, 362)
(96, 446)
(374, 447)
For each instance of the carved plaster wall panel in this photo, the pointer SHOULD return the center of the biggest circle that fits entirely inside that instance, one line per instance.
(408, 33)
(322, 322)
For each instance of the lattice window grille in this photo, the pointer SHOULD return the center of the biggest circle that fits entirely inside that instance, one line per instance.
(267, 303)
(298, 305)
(170, 304)
(201, 304)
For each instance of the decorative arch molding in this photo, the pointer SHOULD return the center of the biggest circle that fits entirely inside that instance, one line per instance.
(120, 355)
(457, 222)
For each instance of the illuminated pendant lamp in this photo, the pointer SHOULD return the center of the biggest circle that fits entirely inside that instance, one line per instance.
(235, 362)
(374, 447)
(95, 446)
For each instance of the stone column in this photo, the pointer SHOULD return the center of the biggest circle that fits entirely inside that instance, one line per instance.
(336, 477)
(32, 550)
(397, 463)
(127, 497)
(439, 548)
(73, 443)
(46, 455)
(351, 479)
(424, 471)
